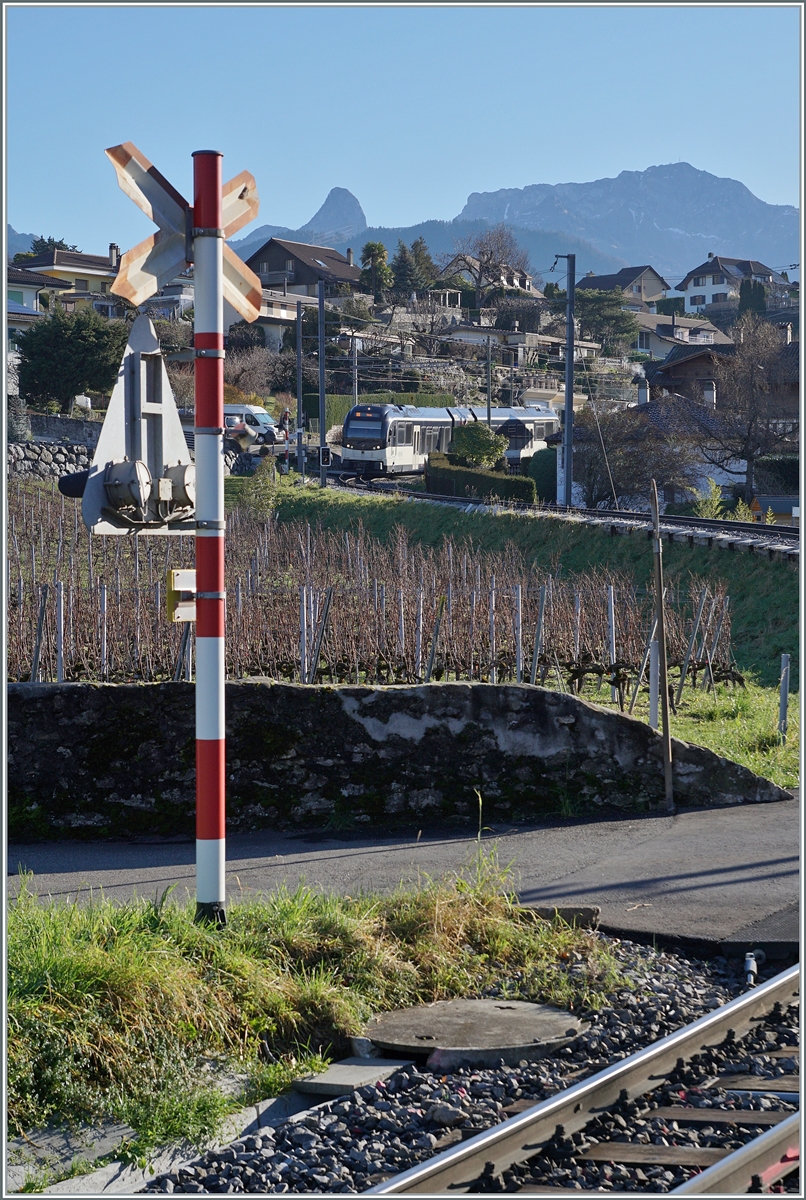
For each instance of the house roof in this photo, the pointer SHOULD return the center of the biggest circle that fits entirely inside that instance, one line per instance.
(325, 262)
(451, 268)
(662, 327)
(71, 260)
(740, 267)
(658, 373)
(622, 279)
(32, 279)
(778, 504)
(19, 310)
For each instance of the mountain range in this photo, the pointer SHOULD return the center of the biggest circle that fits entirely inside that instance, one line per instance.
(668, 216)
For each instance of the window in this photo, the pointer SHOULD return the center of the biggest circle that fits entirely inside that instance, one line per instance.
(717, 279)
(636, 287)
(643, 340)
(695, 300)
(699, 281)
(81, 285)
(289, 264)
(16, 297)
(719, 298)
(264, 268)
(104, 286)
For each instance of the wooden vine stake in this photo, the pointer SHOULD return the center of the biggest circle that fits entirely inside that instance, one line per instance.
(663, 672)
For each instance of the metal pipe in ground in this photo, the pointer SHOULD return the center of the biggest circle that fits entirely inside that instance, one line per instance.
(210, 588)
(783, 702)
(654, 679)
(662, 665)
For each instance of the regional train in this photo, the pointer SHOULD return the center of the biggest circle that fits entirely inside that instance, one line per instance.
(396, 439)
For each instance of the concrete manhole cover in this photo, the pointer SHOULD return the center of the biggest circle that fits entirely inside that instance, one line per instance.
(456, 1033)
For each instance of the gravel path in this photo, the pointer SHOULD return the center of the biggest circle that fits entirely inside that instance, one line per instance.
(377, 1131)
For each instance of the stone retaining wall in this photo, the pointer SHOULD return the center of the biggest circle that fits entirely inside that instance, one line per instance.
(106, 760)
(47, 427)
(44, 460)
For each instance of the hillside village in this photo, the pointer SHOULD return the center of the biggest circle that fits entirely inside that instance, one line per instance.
(653, 357)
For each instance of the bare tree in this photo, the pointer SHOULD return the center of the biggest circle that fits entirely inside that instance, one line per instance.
(486, 258)
(618, 451)
(756, 400)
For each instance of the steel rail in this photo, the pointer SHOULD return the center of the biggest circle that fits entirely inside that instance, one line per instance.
(771, 1156)
(731, 530)
(524, 1135)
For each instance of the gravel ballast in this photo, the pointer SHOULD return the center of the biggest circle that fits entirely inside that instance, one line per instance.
(354, 1142)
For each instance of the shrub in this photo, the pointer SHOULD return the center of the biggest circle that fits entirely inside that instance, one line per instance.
(542, 469)
(447, 480)
(476, 445)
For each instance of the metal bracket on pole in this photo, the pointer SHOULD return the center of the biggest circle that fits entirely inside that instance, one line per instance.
(200, 232)
(212, 430)
(211, 524)
(209, 353)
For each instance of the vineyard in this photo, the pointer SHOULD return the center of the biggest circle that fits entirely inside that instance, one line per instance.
(310, 606)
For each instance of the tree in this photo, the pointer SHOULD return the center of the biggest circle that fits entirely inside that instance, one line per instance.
(69, 353)
(526, 313)
(756, 412)
(477, 446)
(40, 245)
(243, 335)
(600, 317)
(618, 451)
(403, 269)
(486, 257)
(425, 269)
(752, 297)
(377, 274)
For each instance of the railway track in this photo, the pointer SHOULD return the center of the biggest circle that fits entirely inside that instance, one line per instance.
(609, 1120)
(771, 541)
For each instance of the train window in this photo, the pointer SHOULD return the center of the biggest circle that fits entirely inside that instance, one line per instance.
(417, 441)
(408, 432)
(364, 427)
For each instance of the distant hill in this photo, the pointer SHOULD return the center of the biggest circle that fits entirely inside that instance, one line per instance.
(348, 229)
(670, 216)
(18, 243)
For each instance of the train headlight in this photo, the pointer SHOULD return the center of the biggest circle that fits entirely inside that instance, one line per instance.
(127, 484)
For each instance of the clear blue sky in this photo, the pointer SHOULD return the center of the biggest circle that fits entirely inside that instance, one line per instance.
(411, 108)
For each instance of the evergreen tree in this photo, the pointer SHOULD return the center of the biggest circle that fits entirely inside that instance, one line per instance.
(403, 269)
(752, 297)
(69, 353)
(425, 269)
(40, 245)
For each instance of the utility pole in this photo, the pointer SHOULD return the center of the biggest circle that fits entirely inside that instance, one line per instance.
(300, 446)
(489, 380)
(355, 370)
(568, 429)
(322, 417)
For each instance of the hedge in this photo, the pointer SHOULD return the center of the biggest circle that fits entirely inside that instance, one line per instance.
(337, 407)
(446, 480)
(542, 468)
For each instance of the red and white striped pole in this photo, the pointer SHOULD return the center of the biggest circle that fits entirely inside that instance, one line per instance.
(210, 588)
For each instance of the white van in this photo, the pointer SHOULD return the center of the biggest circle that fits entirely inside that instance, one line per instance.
(257, 421)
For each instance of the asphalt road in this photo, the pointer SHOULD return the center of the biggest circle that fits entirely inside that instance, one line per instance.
(704, 874)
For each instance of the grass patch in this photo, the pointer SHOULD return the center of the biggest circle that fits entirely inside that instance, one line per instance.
(764, 596)
(114, 1010)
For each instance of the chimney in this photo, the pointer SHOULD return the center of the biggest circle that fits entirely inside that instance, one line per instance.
(589, 275)
(710, 256)
(709, 393)
(643, 391)
(114, 254)
(349, 257)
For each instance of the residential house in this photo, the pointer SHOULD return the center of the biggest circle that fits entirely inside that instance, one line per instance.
(467, 267)
(641, 286)
(25, 301)
(716, 282)
(785, 509)
(689, 370)
(522, 345)
(90, 278)
(295, 268)
(659, 334)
